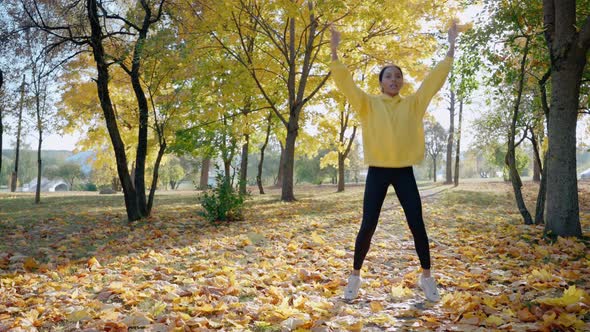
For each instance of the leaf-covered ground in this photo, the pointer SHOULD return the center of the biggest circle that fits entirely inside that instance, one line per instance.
(75, 263)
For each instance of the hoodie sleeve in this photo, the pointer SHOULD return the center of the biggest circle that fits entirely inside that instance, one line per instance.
(431, 84)
(357, 98)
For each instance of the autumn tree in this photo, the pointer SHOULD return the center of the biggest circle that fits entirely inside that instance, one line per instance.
(466, 80)
(338, 127)
(19, 127)
(97, 27)
(269, 125)
(42, 62)
(512, 47)
(435, 137)
(291, 36)
(172, 174)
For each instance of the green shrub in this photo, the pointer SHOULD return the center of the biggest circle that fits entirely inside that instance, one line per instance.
(223, 202)
(90, 187)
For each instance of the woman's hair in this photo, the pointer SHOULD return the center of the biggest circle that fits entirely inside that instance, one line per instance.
(389, 66)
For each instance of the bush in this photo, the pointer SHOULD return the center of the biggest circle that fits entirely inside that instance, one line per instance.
(90, 187)
(107, 191)
(223, 202)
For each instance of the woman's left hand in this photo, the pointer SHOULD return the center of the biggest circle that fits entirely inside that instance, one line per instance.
(453, 33)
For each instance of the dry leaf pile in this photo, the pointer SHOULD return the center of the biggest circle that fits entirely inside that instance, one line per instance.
(79, 265)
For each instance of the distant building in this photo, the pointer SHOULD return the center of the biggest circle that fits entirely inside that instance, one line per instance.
(46, 185)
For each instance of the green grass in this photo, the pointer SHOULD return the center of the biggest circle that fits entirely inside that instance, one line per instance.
(70, 221)
(463, 197)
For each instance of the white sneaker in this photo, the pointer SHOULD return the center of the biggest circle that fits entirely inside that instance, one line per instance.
(352, 289)
(428, 285)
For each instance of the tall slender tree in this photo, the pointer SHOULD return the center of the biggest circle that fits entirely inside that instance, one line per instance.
(262, 149)
(450, 140)
(42, 64)
(511, 153)
(19, 126)
(458, 148)
(434, 137)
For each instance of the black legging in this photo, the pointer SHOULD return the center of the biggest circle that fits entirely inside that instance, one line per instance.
(404, 183)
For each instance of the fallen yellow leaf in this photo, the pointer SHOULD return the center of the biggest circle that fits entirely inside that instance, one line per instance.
(376, 306)
(30, 263)
(572, 295)
(494, 320)
(92, 262)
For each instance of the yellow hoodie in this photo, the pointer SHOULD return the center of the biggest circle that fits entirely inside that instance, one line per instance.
(393, 134)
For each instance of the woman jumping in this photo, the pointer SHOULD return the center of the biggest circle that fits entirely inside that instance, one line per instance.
(393, 141)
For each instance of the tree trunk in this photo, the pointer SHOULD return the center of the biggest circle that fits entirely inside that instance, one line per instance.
(141, 153)
(341, 159)
(287, 194)
(142, 104)
(142, 135)
(204, 181)
(259, 175)
(458, 152)
(116, 184)
(344, 120)
(517, 185)
(39, 169)
(562, 216)
(155, 175)
(133, 211)
(536, 169)
(39, 162)
(536, 158)
(132, 175)
(227, 169)
(279, 182)
(18, 135)
(541, 196)
(1, 120)
(449, 178)
(511, 154)
(244, 166)
(434, 169)
(568, 49)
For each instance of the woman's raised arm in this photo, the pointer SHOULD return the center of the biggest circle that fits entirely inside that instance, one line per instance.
(334, 42)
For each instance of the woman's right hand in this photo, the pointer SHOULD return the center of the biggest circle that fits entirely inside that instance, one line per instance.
(335, 38)
(334, 42)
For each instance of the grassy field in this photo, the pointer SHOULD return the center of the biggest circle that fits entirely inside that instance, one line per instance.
(74, 262)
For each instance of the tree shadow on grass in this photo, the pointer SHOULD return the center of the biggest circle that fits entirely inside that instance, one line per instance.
(69, 228)
(65, 229)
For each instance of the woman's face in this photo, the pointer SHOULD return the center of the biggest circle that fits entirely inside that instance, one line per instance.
(392, 81)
